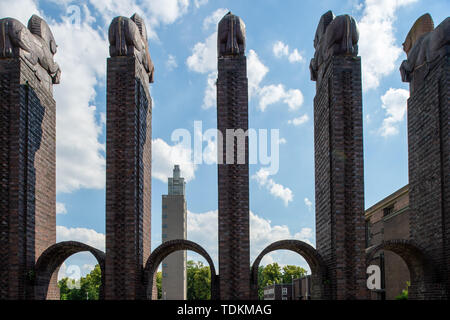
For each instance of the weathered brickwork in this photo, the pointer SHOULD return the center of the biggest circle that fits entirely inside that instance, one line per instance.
(339, 177)
(429, 170)
(233, 180)
(128, 177)
(27, 177)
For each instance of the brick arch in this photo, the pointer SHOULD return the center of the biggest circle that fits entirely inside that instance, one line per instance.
(312, 257)
(53, 257)
(419, 265)
(160, 253)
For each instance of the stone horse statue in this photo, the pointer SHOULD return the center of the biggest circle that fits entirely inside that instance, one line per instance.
(35, 44)
(231, 36)
(334, 36)
(424, 44)
(128, 37)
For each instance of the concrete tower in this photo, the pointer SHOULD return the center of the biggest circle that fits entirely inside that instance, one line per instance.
(174, 226)
(233, 174)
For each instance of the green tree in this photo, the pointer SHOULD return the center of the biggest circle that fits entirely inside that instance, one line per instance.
(198, 281)
(273, 274)
(88, 287)
(159, 284)
(292, 272)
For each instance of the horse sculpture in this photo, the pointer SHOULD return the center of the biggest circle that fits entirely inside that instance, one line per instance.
(35, 44)
(128, 37)
(424, 44)
(334, 36)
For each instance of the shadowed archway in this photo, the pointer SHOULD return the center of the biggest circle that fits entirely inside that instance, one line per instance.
(312, 257)
(169, 247)
(419, 265)
(53, 257)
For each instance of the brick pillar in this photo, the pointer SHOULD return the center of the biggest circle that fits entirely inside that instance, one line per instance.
(429, 169)
(233, 179)
(128, 177)
(339, 176)
(27, 175)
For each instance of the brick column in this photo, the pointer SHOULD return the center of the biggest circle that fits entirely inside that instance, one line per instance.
(233, 178)
(339, 176)
(128, 177)
(429, 170)
(27, 176)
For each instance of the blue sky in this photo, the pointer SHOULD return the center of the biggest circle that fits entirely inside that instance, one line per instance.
(182, 45)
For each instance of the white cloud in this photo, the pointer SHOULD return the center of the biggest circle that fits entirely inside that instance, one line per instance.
(171, 62)
(213, 19)
(82, 53)
(204, 55)
(203, 229)
(204, 60)
(61, 208)
(256, 72)
(21, 10)
(166, 156)
(272, 94)
(395, 103)
(295, 56)
(281, 49)
(86, 236)
(308, 203)
(199, 3)
(377, 42)
(277, 190)
(282, 141)
(209, 100)
(300, 120)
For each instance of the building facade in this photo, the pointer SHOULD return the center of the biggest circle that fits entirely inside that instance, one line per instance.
(278, 292)
(174, 227)
(387, 220)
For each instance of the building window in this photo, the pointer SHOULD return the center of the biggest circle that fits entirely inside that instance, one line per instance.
(388, 210)
(164, 206)
(284, 291)
(165, 226)
(164, 236)
(164, 216)
(164, 265)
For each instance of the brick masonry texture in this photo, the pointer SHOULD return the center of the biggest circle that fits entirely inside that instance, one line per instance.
(27, 178)
(339, 177)
(128, 178)
(429, 170)
(233, 180)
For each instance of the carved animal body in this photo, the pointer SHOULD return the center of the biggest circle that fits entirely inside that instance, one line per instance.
(426, 49)
(35, 44)
(231, 36)
(128, 37)
(334, 36)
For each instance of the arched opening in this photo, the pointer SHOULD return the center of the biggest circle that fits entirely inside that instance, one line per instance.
(419, 266)
(166, 249)
(53, 257)
(318, 270)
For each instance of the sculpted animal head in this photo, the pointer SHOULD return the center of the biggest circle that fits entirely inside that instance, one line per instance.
(40, 28)
(422, 26)
(324, 22)
(231, 36)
